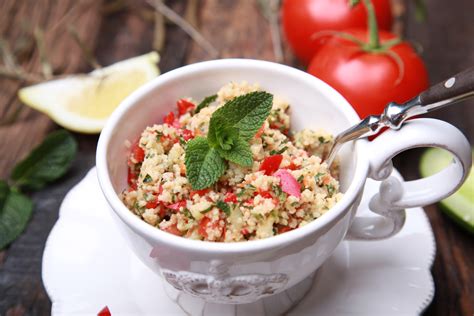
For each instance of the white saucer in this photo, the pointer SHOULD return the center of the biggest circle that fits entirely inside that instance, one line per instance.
(87, 265)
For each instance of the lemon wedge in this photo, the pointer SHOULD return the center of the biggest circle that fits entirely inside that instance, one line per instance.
(83, 103)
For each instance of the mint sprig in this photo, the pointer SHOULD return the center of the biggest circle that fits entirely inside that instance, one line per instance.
(230, 129)
(45, 164)
(204, 165)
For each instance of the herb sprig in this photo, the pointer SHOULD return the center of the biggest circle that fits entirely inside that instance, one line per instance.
(231, 128)
(46, 163)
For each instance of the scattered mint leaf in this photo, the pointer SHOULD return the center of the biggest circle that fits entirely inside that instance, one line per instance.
(207, 210)
(204, 165)
(147, 179)
(47, 162)
(246, 113)
(318, 176)
(4, 191)
(15, 212)
(239, 154)
(224, 207)
(331, 189)
(204, 103)
(278, 152)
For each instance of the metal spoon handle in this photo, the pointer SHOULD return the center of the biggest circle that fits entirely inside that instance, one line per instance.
(454, 89)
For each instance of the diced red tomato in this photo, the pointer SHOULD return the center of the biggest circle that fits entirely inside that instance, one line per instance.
(177, 205)
(187, 134)
(249, 201)
(288, 183)
(230, 197)
(163, 210)
(132, 179)
(199, 192)
(173, 230)
(137, 152)
(152, 204)
(244, 231)
(206, 223)
(169, 118)
(265, 194)
(203, 226)
(271, 164)
(104, 312)
(184, 106)
(292, 166)
(283, 229)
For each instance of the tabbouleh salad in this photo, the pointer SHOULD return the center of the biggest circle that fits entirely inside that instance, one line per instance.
(233, 183)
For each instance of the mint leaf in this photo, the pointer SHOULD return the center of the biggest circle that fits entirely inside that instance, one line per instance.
(204, 165)
(246, 113)
(227, 137)
(239, 154)
(15, 211)
(224, 207)
(47, 162)
(204, 103)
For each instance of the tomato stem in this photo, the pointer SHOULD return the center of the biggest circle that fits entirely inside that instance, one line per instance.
(374, 40)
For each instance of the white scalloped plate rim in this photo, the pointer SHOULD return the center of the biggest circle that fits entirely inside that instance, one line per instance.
(56, 284)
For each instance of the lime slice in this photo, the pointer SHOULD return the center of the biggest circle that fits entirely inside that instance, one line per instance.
(460, 205)
(83, 103)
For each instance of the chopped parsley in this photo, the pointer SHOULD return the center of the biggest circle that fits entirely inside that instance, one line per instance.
(278, 152)
(223, 206)
(331, 189)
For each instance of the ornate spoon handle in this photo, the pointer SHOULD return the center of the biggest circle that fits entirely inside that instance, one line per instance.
(452, 90)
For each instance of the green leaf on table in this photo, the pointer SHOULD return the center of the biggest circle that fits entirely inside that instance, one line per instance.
(47, 162)
(240, 153)
(204, 103)
(15, 211)
(246, 113)
(204, 165)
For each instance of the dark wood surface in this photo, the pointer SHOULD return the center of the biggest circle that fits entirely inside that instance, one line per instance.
(238, 30)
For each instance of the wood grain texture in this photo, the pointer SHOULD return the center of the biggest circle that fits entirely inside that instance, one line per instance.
(447, 49)
(29, 129)
(238, 30)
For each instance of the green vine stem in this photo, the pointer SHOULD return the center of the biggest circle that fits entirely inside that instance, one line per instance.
(374, 40)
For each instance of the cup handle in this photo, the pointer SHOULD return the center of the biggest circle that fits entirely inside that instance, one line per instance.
(394, 195)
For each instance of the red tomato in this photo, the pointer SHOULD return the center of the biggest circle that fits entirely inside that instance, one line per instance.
(303, 18)
(206, 223)
(132, 179)
(370, 80)
(173, 230)
(152, 204)
(184, 106)
(104, 312)
(265, 194)
(169, 118)
(271, 164)
(187, 134)
(283, 229)
(137, 152)
(199, 192)
(230, 197)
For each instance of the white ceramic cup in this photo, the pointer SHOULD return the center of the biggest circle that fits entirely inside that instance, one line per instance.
(244, 272)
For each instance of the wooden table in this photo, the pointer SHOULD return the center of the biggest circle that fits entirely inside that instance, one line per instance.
(237, 29)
